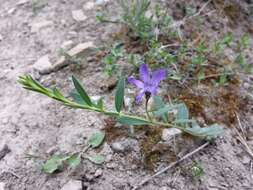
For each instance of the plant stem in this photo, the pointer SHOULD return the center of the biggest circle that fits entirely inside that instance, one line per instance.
(146, 109)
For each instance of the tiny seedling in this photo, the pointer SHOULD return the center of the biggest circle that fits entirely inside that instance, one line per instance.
(197, 171)
(112, 58)
(57, 162)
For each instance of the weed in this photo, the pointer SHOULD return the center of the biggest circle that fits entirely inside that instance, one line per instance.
(112, 58)
(197, 171)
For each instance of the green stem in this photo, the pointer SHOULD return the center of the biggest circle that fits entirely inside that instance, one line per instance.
(146, 109)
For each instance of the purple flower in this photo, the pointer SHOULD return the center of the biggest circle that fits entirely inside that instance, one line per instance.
(149, 82)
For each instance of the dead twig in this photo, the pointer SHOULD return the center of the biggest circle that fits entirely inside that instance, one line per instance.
(242, 138)
(170, 166)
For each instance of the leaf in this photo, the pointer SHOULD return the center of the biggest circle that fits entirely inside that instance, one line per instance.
(159, 104)
(77, 98)
(164, 110)
(119, 96)
(207, 133)
(97, 159)
(125, 120)
(53, 164)
(81, 91)
(96, 139)
(74, 160)
(184, 121)
(182, 112)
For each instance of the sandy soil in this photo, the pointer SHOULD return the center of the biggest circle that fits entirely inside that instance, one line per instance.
(33, 124)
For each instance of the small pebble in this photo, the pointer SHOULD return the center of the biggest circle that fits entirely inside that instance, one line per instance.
(98, 173)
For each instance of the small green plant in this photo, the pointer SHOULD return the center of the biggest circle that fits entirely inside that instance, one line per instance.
(197, 171)
(57, 162)
(112, 58)
(134, 16)
(148, 86)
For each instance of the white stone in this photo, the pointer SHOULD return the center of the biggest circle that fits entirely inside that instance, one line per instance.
(95, 98)
(75, 51)
(11, 11)
(1, 37)
(37, 26)
(89, 5)
(43, 65)
(118, 147)
(72, 185)
(22, 2)
(78, 15)
(98, 173)
(2, 185)
(80, 48)
(67, 44)
(169, 134)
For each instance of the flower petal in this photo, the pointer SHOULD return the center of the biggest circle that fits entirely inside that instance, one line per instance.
(144, 73)
(158, 76)
(139, 97)
(135, 82)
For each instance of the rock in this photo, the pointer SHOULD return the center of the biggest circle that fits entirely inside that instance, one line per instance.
(78, 15)
(72, 185)
(95, 98)
(245, 159)
(1, 38)
(2, 185)
(128, 102)
(4, 150)
(67, 45)
(89, 5)
(37, 26)
(43, 65)
(98, 173)
(169, 134)
(76, 51)
(51, 150)
(123, 145)
(118, 147)
(111, 165)
(163, 188)
(81, 48)
(11, 11)
(22, 2)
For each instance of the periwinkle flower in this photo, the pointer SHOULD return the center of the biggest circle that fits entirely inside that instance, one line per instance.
(149, 82)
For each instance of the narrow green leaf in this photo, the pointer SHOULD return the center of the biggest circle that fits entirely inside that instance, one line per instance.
(96, 139)
(132, 121)
(97, 159)
(119, 96)
(77, 98)
(81, 91)
(74, 160)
